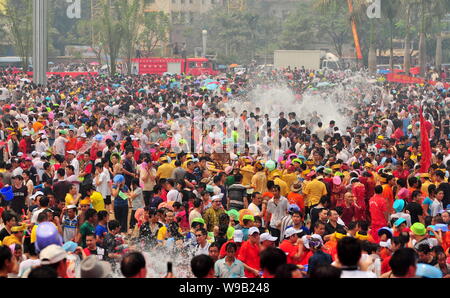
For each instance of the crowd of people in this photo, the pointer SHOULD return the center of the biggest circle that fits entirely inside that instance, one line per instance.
(99, 173)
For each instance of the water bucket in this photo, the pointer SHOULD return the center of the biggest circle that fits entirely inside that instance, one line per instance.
(7, 192)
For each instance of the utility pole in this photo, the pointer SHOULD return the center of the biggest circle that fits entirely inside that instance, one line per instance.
(40, 38)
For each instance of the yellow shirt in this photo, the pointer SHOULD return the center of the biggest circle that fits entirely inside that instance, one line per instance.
(97, 201)
(424, 187)
(69, 199)
(272, 174)
(165, 171)
(162, 233)
(290, 179)
(284, 189)
(11, 239)
(259, 182)
(314, 190)
(247, 173)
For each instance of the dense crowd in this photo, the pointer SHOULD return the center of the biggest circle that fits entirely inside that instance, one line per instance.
(99, 173)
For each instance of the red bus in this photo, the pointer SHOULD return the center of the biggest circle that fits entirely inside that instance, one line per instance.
(191, 66)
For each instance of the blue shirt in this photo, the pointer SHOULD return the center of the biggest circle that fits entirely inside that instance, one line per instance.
(118, 201)
(101, 230)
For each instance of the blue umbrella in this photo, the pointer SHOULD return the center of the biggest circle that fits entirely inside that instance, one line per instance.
(175, 85)
(323, 84)
(212, 86)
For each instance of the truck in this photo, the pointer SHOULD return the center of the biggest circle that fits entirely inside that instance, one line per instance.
(314, 59)
(160, 66)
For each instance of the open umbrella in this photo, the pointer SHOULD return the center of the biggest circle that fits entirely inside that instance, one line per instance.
(323, 84)
(234, 65)
(94, 63)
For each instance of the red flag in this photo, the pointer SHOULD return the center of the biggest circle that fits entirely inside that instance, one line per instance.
(425, 161)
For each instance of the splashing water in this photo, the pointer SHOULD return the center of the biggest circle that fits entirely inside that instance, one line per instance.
(332, 103)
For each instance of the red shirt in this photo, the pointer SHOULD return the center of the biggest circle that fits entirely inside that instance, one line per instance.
(377, 208)
(249, 254)
(291, 250)
(223, 251)
(385, 267)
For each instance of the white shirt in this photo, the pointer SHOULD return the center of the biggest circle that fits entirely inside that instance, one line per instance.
(76, 165)
(60, 145)
(202, 250)
(278, 211)
(357, 274)
(436, 207)
(103, 180)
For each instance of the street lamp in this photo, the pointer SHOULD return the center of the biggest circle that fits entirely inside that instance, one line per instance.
(204, 35)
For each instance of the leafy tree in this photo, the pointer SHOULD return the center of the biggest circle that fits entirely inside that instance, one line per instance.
(19, 19)
(156, 30)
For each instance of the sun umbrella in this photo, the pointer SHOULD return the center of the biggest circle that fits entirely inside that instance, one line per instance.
(94, 63)
(323, 84)
(234, 65)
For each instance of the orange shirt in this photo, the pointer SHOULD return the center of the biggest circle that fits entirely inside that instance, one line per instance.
(71, 144)
(296, 198)
(37, 126)
(388, 194)
(249, 254)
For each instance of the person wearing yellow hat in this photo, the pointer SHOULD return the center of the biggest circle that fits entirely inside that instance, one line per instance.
(247, 173)
(284, 188)
(259, 179)
(16, 236)
(165, 170)
(425, 178)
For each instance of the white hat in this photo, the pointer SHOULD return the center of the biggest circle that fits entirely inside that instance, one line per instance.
(52, 254)
(43, 154)
(43, 137)
(71, 207)
(38, 193)
(238, 236)
(92, 267)
(267, 236)
(73, 152)
(34, 153)
(253, 230)
(291, 231)
(313, 238)
(20, 154)
(217, 197)
(83, 135)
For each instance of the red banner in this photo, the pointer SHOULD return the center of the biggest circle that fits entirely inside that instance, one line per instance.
(404, 79)
(425, 161)
(63, 74)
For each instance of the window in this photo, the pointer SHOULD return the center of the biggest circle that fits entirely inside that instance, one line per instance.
(192, 65)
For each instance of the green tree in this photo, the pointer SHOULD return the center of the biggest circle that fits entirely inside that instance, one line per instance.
(130, 17)
(439, 8)
(156, 30)
(19, 19)
(329, 21)
(111, 30)
(390, 10)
